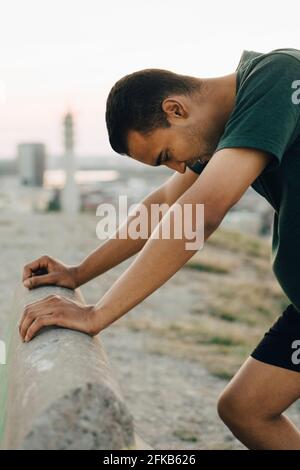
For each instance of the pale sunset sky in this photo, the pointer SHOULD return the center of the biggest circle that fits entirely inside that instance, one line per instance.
(67, 54)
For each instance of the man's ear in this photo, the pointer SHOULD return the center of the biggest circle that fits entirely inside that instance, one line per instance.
(175, 109)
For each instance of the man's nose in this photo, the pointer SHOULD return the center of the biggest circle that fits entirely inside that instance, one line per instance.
(178, 166)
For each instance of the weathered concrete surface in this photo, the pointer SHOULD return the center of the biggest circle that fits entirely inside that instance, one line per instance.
(61, 392)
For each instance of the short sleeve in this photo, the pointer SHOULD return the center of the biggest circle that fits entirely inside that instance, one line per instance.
(265, 116)
(197, 167)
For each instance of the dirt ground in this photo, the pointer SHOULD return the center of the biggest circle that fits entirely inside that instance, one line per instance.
(171, 394)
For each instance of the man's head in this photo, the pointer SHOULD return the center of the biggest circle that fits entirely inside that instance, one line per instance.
(156, 116)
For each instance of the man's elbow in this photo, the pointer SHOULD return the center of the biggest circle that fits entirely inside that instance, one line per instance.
(212, 220)
(210, 227)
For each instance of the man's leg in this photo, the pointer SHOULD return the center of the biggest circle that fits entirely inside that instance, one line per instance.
(253, 402)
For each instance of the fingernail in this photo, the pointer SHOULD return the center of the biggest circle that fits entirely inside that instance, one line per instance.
(26, 283)
(26, 339)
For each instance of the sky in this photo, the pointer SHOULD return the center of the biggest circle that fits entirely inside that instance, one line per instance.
(60, 55)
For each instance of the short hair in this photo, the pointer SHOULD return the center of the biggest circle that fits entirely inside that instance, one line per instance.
(135, 103)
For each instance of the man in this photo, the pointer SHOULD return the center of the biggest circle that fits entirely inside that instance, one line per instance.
(221, 135)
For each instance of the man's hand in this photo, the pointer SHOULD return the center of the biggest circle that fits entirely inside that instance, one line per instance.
(59, 311)
(48, 271)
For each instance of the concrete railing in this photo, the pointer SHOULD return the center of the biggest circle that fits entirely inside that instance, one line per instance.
(58, 391)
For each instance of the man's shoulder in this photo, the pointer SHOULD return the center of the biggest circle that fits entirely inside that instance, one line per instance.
(286, 53)
(252, 61)
(258, 72)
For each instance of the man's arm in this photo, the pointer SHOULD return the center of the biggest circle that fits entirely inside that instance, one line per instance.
(221, 184)
(47, 270)
(115, 250)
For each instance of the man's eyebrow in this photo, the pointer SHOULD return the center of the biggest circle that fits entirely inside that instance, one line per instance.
(158, 160)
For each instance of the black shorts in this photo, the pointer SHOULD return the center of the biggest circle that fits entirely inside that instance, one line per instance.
(280, 346)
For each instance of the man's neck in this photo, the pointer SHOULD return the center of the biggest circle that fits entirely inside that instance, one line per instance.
(221, 93)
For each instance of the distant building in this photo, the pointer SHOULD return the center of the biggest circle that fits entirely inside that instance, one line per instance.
(8, 166)
(31, 163)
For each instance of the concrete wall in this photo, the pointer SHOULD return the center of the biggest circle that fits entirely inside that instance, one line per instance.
(58, 391)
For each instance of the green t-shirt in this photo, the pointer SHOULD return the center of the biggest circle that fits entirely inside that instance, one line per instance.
(266, 116)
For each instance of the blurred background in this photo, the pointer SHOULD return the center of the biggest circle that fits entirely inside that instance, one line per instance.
(173, 354)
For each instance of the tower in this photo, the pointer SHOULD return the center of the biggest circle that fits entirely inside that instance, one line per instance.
(70, 195)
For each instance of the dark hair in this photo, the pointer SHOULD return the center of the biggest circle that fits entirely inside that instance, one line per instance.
(134, 103)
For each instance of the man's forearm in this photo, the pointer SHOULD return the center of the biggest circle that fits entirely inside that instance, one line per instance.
(157, 262)
(116, 250)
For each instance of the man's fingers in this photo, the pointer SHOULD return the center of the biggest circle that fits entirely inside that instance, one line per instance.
(36, 265)
(38, 323)
(35, 281)
(29, 315)
(31, 311)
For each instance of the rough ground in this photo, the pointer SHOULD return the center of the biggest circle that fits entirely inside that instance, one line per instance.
(165, 379)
